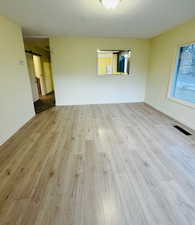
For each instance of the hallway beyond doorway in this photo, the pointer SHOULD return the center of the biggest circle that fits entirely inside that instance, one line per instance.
(40, 72)
(45, 102)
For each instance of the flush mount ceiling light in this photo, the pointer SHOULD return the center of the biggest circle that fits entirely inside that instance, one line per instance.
(110, 4)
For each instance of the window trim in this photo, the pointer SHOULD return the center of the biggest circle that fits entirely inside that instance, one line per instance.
(116, 75)
(173, 76)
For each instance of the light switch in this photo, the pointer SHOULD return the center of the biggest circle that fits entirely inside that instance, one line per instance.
(21, 62)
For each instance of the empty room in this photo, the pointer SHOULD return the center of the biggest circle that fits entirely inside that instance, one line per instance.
(97, 112)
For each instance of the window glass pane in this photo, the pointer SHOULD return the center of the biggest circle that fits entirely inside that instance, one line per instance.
(184, 84)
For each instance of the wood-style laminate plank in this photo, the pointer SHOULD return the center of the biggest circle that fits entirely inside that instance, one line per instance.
(117, 164)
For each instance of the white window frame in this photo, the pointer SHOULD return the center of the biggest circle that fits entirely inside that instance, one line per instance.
(173, 76)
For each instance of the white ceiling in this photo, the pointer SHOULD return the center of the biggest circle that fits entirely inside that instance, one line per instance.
(133, 18)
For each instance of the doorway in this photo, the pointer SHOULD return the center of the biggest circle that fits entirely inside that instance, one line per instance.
(40, 72)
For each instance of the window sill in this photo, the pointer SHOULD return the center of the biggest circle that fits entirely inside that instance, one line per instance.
(182, 102)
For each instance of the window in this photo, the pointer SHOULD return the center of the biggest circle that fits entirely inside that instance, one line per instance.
(183, 86)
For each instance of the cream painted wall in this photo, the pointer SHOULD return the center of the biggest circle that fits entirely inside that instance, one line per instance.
(74, 66)
(162, 62)
(33, 82)
(15, 91)
(48, 76)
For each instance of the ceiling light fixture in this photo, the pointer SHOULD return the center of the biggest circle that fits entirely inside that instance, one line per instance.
(110, 4)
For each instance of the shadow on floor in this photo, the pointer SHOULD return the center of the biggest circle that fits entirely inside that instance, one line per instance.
(45, 102)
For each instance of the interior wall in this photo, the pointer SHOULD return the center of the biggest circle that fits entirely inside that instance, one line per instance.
(74, 65)
(15, 91)
(39, 73)
(48, 76)
(31, 72)
(162, 62)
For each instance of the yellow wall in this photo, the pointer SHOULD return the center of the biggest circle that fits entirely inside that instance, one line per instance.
(37, 66)
(74, 64)
(33, 82)
(115, 62)
(103, 62)
(162, 62)
(15, 91)
(48, 76)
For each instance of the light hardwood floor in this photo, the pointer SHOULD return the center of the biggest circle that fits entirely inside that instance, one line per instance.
(120, 164)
